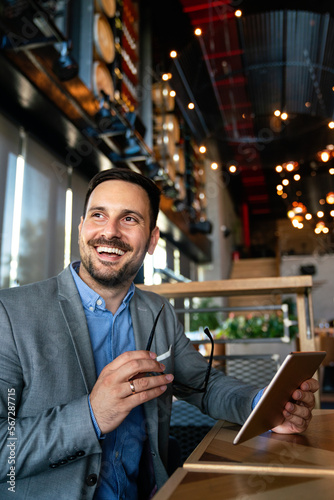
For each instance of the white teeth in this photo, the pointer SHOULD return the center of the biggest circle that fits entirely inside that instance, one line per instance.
(110, 250)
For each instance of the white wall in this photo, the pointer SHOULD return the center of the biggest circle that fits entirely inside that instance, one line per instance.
(323, 282)
(220, 212)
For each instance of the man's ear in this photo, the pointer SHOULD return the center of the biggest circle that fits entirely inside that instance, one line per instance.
(80, 225)
(153, 240)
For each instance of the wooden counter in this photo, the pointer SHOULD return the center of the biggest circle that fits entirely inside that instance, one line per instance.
(274, 466)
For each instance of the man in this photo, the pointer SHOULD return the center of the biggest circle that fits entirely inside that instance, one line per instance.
(80, 417)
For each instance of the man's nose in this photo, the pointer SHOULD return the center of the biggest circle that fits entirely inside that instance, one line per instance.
(112, 229)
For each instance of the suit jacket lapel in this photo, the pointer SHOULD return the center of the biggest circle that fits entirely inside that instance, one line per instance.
(71, 306)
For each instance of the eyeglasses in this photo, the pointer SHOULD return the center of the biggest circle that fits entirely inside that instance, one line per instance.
(186, 389)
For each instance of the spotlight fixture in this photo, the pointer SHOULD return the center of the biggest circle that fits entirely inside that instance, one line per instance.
(152, 168)
(65, 67)
(106, 121)
(226, 231)
(203, 227)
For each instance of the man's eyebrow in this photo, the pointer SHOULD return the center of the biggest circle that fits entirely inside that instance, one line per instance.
(98, 208)
(124, 212)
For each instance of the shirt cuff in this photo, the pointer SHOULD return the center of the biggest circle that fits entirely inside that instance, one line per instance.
(96, 427)
(257, 398)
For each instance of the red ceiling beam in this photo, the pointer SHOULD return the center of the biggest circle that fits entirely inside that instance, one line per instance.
(204, 5)
(208, 20)
(221, 55)
(236, 80)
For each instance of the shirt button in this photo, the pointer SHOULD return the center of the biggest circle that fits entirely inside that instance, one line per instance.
(99, 302)
(91, 479)
(91, 308)
(116, 454)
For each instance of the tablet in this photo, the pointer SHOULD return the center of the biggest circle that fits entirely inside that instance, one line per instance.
(297, 367)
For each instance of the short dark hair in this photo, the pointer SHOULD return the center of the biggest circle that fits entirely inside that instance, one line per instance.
(127, 175)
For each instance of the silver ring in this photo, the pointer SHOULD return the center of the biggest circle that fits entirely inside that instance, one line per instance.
(133, 389)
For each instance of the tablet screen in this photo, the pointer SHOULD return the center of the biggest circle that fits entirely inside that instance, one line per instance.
(297, 367)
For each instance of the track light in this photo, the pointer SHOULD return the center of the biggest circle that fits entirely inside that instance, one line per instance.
(152, 168)
(204, 227)
(65, 67)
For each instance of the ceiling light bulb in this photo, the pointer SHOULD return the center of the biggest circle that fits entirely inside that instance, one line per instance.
(172, 93)
(330, 198)
(279, 187)
(331, 124)
(284, 116)
(320, 213)
(325, 156)
(173, 54)
(278, 168)
(191, 105)
(232, 169)
(198, 32)
(290, 166)
(331, 171)
(214, 166)
(202, 149)
(238, 13)
(164, 77)
(285, 182)
(308, 216)
(277, 112)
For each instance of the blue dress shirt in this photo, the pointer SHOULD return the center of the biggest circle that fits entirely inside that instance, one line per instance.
(111, 335)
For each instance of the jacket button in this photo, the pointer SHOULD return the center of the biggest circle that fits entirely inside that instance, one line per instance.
(91, 479)
(71, 457)
(53, 466)
(80, 453)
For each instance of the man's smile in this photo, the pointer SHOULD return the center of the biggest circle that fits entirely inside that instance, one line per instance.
(110, 250)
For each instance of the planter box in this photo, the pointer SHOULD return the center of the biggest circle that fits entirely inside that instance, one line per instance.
(282, 349)
(254, 362)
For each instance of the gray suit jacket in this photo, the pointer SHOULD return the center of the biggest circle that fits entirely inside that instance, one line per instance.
(46, 360)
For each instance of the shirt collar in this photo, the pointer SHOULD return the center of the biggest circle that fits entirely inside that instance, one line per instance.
(90, 299)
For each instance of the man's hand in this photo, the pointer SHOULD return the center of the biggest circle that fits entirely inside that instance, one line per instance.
(112, 398)
(298, 415)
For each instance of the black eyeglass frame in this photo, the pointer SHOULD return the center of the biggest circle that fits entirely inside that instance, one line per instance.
(188, 388)
(184, 387)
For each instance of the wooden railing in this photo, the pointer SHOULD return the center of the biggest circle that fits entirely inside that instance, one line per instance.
(301, 286)
(269, 288)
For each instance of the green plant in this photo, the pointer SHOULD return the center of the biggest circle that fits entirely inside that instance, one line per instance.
(254, 326)
(201, 319)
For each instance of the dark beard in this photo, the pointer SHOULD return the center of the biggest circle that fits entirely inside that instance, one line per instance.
(125, 274)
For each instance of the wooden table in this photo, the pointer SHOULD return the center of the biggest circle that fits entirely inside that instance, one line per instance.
(270, 466)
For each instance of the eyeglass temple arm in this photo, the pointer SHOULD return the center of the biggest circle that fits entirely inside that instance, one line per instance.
(150, 339)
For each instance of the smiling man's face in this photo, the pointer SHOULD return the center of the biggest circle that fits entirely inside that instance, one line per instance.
(115, 234)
